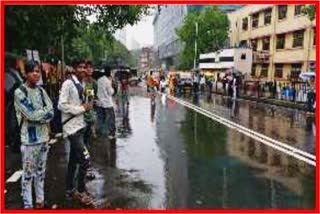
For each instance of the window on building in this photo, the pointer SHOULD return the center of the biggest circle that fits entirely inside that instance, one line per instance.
(226, 59)
(267, 16)
(264, 70)
(253, 70)
(282, 11)
(254, 44)
(295, 70)
(245, 23)
(255, 20)
(208, 60)
(314, 36)
(281, 41)
(243, 43)
(298, 38)
(243, 56)
(266, 44)
(298, 9)
(279, 71)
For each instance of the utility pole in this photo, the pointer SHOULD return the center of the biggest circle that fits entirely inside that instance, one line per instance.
(195, 46)
(62, 57)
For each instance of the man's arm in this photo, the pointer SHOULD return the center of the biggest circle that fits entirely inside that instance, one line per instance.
(25, 106)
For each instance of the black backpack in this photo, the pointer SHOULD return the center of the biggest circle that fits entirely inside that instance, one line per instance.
(14, 126)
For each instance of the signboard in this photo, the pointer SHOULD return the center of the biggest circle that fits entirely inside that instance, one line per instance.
(33, 55)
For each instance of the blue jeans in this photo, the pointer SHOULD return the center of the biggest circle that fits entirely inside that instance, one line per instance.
(34, 158)
(106, 123)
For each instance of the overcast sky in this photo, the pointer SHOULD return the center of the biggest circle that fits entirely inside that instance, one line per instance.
(142, 32)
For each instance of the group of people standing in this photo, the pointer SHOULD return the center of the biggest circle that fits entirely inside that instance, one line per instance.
(85, 104)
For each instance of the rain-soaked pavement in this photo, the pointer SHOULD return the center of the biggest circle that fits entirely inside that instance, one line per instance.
(167, 156)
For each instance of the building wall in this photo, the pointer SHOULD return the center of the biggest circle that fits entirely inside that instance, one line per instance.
(166, 22)
(289, 55)
(243, 65)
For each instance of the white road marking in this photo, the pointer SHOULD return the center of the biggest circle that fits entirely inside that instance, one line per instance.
(289, 150)
(15, 177)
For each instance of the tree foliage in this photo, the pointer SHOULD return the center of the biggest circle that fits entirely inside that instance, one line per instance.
(41, 26)
(213, 27)
(310, 10)
(97, 45)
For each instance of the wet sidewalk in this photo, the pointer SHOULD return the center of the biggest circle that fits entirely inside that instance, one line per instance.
(271, 101)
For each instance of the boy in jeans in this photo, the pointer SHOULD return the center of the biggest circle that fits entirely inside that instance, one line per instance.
(72, 106)
(34, 111)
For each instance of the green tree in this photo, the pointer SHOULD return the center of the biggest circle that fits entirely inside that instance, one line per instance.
(41, 26)
(212, 35)
(310, 10)
(95, 44)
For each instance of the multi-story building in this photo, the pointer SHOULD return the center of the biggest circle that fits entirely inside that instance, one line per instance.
(145, 59)
(281, 36)
(166, 20)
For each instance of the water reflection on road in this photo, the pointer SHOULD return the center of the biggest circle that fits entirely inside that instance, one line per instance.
(194, 162)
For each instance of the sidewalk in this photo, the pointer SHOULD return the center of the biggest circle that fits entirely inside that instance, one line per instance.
(283, 103)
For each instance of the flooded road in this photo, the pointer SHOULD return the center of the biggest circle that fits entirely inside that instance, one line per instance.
(167, 156)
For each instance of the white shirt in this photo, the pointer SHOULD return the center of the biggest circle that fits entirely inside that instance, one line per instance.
(70, 104)
(105, 92)
(203, 81)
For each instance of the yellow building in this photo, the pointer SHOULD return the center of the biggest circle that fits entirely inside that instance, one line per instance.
(281, 36)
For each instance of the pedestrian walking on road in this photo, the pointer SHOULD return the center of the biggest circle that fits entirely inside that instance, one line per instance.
(72, 106)
(234, 87)
(196, 82)
(106, 115)
(34, 111)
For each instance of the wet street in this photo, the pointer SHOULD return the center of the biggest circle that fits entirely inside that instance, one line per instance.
(168, 156)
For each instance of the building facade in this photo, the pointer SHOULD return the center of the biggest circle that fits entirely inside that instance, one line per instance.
(238, 59)
(166, 43)
(166, 20)
(282, 38)
(145, 59)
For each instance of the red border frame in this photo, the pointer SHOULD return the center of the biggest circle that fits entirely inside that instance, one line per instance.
(58, 2)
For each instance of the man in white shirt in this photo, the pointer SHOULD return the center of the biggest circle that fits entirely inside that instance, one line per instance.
(72, 106)
(105, 110)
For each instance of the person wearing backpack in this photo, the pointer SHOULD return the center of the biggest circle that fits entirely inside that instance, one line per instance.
(73, 107)
(34, 111)
(12, 80)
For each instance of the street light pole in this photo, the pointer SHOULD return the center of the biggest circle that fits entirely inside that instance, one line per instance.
(195, 46)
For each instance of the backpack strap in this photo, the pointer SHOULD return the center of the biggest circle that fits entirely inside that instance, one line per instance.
(78, 89)
(24, 90)
(80, 97)
(42, 97)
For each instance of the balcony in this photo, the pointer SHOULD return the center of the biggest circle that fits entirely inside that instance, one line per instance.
(261, 57)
